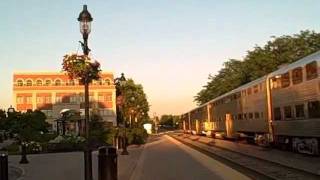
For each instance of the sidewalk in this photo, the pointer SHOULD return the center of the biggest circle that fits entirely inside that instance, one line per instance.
(290, 159)
(69, 166)
(6, 143)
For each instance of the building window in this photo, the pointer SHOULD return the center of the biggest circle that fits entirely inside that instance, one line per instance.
(287, 112)
(29, 82)
(297, 75)
(285, 80)
(101, 98)
(311, 69)
(39, 82)
(73, 99)
(57, 82)
(20, 83)
(58, 99)
(277, 114)
(48, 100)
(48, 82)
(66, 99)
(29, 100)
(81, 98)
(314, 109)
(107, 81)
(299, 111)
(91, 98)
(71, 82)
(20, 100)
(256, 115)
(239, 116)
(39, 100)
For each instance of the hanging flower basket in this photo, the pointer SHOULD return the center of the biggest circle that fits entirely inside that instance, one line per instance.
(81, 67)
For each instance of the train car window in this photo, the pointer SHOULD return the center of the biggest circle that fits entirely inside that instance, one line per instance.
(250, 115)
(261, 86)
(299, 111)
(249, 91)
(287, 112)
(277, 114)
(314, 109)
(261, 114)
(239, 116)
(255, 89)
(256, 115)
(311, 69)
(238, 95)
(285, 80)
(276, 82)
(244, 93)
(297, 75)
(244, 115)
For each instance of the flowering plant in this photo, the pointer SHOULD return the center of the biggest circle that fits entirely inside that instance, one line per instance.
(80, 67)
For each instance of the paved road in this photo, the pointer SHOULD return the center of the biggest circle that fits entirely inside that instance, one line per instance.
(167, 159)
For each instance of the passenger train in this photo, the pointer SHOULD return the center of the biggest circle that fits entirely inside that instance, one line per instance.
(281, 109)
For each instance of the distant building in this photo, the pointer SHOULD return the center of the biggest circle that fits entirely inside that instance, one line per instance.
(52, 92)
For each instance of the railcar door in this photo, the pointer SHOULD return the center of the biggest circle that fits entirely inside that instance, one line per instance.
(229, 126)
(197, 127)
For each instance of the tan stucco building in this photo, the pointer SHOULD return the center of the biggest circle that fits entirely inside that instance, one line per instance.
(51, 92)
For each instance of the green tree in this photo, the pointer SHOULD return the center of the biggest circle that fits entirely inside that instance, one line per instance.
(135, 105)
(259, 62)
(29, 126)
(169, 120)
(98, 129)
(3, 117)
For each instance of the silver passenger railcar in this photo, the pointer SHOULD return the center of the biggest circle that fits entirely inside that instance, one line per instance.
(282, 108)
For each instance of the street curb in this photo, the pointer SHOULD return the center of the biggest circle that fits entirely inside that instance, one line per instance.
(19, 169)
(136, 174)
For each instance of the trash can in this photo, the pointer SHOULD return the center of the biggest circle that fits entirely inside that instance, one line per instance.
(107, 163)
(4, 171)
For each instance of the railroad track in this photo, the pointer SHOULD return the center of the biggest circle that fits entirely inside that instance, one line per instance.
(253, 167)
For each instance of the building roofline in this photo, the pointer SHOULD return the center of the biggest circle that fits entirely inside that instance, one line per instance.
(49, 72)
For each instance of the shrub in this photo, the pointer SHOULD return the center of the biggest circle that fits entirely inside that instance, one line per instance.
(65, 144)
(137, 136)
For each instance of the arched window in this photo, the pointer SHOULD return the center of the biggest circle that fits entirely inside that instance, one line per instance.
(57, 82)
(71, 82)
(39, 82)
(29, 82)
(48, 82)
(107, 81)
(20, 83)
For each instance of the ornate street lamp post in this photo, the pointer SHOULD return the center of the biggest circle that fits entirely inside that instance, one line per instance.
(24, 145)
(85, 29)
(120, 82)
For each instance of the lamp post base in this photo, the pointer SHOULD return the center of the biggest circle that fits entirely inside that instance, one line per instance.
(124, 149)
(88, 164)
(24, 159)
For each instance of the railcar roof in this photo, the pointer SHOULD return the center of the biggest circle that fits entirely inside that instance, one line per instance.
(312, 57)
(300, 63)
(238, 89)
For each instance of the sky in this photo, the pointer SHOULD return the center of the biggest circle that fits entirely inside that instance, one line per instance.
(168, 46)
